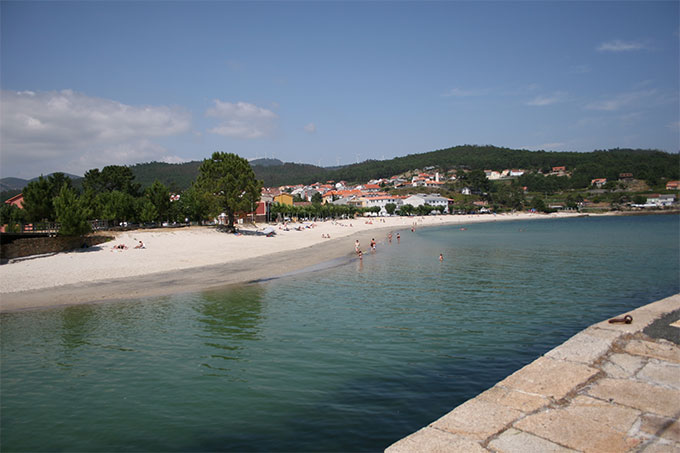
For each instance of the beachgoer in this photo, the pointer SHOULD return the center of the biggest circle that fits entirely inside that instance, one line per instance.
(389, 237)
(373, 244)
(398, 238)
(441, 257)
(361, 255)
(140, 245)
(356, 246)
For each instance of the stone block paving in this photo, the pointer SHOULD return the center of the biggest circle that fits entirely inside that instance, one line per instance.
(612, 388)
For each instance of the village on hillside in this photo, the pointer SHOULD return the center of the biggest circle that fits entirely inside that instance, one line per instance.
(447, 192)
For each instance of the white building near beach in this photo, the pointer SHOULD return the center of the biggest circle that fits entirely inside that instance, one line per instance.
(381, 201)
(433, 200)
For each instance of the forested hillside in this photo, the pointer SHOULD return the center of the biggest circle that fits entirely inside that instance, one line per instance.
(649, 165)
(644, 164)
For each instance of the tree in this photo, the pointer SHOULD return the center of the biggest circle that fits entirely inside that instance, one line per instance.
(639, 199)
(424, 209)
(112, 177)
(538, 204)
(159, 196)
(147, 211)
(390, 208)
(317, 198)
(117, 206)
(12, 216)
(231, 182)
(476, 180)
(38, 200)
(70, 213)
(197, 205)
(406, 209)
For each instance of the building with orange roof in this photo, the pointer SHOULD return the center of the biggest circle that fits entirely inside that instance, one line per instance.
(598, 182)
(16, 200)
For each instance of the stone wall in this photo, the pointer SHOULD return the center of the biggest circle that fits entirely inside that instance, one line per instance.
(37, 246)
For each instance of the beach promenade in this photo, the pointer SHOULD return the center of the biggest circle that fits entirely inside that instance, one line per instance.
(614, 387)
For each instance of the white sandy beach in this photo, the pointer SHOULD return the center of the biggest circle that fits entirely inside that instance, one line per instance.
(188, 248)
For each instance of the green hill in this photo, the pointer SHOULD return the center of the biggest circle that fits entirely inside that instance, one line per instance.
(649, 165)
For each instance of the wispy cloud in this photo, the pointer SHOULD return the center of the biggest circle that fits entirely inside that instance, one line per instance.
(74, 132)
(310, 128)
(242, 120)
(621, 46)
(460, 93)
(545, 100)
(620, 101)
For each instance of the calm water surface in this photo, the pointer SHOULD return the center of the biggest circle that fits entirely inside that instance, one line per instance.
(350, 358)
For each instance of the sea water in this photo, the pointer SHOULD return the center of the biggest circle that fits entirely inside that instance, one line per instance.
(347, 358)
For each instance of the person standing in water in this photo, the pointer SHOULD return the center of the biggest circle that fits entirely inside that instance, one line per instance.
(441, 257)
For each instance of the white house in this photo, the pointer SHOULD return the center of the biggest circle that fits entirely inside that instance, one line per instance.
(661, 200)
(492, 175)
(381, 201)
(433, 200)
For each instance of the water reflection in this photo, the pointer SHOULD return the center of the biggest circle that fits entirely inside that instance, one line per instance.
(229, 320)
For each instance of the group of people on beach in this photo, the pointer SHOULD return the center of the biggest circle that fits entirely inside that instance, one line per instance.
(122, 246)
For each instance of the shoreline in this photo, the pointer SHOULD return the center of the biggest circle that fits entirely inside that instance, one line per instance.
(198, 259)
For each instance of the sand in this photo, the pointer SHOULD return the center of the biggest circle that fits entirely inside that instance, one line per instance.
(199, 258)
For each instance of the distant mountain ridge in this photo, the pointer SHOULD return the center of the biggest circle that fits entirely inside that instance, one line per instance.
(273, 172)
(265, 162)
(19, 183)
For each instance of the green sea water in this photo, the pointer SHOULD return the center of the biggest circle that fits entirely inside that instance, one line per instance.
(351, 357)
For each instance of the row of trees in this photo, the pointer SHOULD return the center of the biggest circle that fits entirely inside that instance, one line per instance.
(226, 183)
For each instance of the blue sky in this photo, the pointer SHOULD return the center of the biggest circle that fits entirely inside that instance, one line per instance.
(89, 84)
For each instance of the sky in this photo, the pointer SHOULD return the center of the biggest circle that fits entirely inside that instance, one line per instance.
(90, 84)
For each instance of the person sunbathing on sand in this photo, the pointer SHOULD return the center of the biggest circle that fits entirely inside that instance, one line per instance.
(120, 247)
(140, 245)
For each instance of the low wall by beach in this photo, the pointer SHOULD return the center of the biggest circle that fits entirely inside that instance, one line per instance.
(41, 245)
(614, 387)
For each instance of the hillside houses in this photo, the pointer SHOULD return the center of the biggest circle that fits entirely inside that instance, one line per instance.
(493, 175)
(377, 194)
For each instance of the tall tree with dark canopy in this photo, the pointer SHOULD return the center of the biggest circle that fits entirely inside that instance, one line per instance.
(112, 177)
(231, 182)
(71, 213)
(38, 200)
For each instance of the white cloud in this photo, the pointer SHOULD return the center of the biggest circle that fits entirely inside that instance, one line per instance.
(70, 131)
(242, 120)
(459, 93)
(542, 101)
(311, 128)
(620, 101)
(621, 46)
